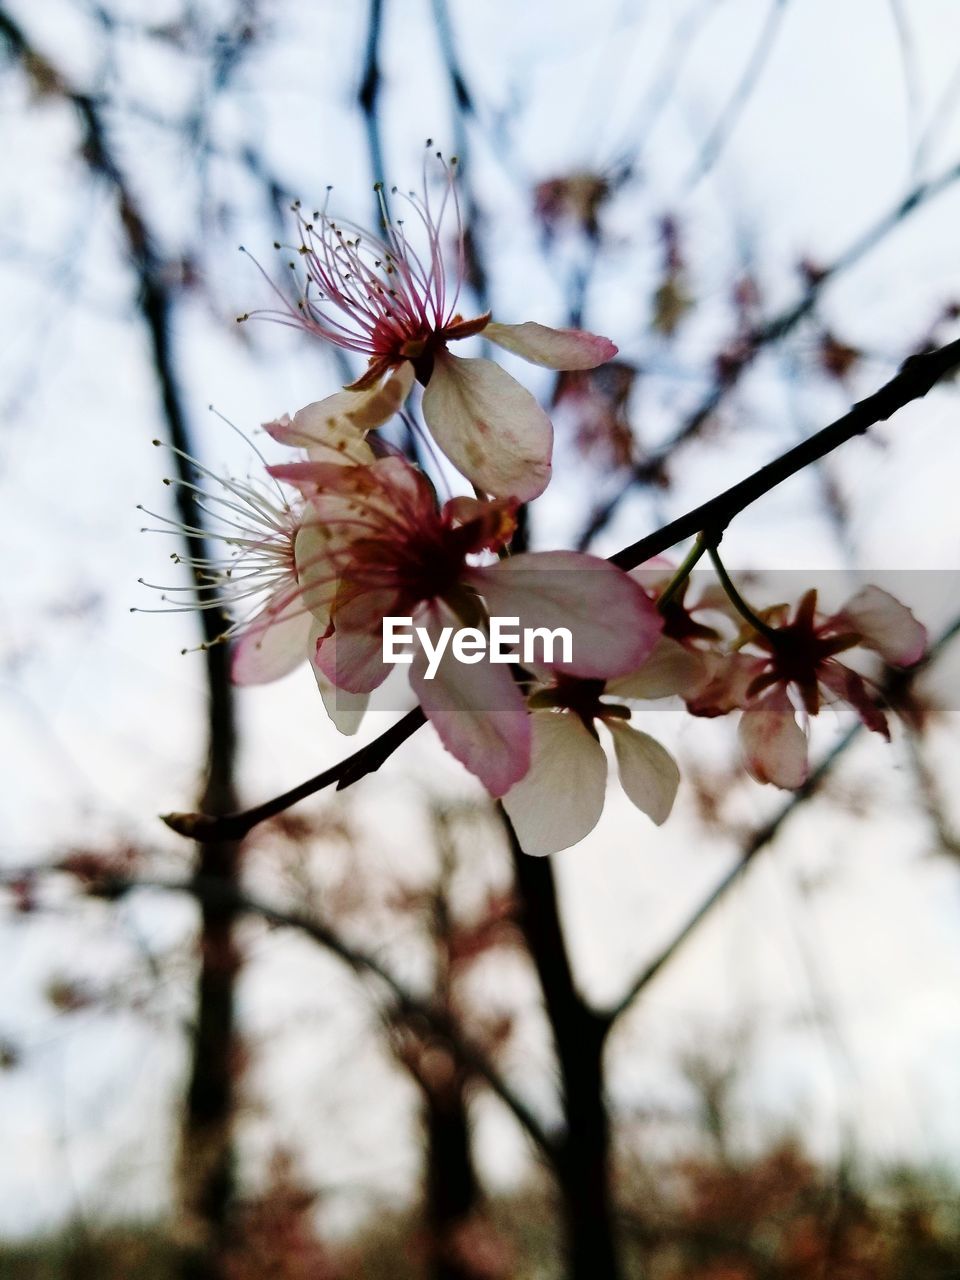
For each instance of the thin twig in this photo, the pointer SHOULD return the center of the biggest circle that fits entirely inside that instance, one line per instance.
(750, 78)
(916, 377)
(234, 826)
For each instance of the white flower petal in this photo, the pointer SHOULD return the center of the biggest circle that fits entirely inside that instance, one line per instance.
(491, 428)
(377, 405)
(670, 669)
(887, 626)
(560, 799)
(554, 348)
(325, 431)
(648, 772)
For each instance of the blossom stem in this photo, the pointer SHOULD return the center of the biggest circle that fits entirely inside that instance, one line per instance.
(737, 600)
(683, 573)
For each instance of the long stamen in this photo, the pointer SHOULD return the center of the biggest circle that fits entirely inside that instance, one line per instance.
(373, 293)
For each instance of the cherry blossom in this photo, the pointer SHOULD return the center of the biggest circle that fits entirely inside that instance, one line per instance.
(395, 303)
(797, 670)
(253, 578)
(374, 543)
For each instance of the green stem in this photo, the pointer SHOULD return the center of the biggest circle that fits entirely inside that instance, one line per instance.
(737, 600)
(683, 573)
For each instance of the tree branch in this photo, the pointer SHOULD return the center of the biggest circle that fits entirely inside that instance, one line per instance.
(234, 826)
(213, 892)
(766, 334)
(917, 376)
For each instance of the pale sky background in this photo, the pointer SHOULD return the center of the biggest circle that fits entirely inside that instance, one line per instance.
(852, 916)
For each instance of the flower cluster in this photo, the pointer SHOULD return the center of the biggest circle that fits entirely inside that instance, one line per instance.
(349, 532)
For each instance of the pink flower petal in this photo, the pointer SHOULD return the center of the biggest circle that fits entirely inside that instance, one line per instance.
(726, 679)
(272, 646)
(308, 477)
(669, 669)
(345, 709)
(560, 799)
(477, 710)
(491, 428)
(886, 626)
(773, 744)
(849, 687)
(554, 348)
(613, 625)
(648, 772)
(352, 660)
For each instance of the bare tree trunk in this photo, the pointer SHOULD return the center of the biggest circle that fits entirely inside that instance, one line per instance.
(206, 1138)
(583, 1169)
(452, 1190)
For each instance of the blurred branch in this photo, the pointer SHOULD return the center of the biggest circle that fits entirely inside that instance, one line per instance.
(154, 303)
(897, 683)
(928, 786)
(911, 79)
(918, 375)
(463, 105)
(368, 95)
(750, 78)
(214, 892)
(462, 97)
(760, 839)
(771, 331)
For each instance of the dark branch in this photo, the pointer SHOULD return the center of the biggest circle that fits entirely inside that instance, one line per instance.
(154, 303)
(368, 95)
(234, 826)
(916, 377)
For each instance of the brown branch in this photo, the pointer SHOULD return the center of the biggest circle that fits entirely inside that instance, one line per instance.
(207, 1182)
(368, 97)
(917, 376)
